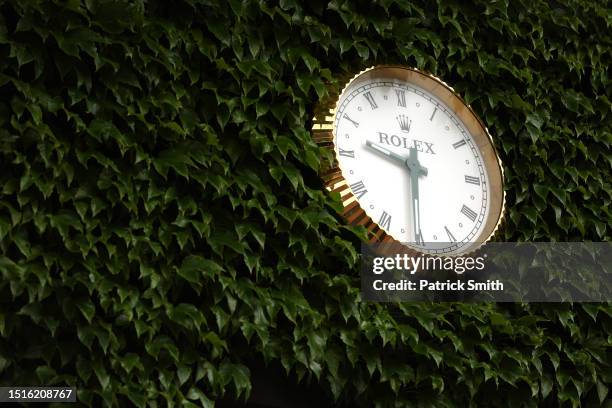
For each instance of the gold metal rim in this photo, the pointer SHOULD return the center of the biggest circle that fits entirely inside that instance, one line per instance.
(323, 133)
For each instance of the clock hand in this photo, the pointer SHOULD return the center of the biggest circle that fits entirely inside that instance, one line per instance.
(413, 164)
(385, 151)
(416, 170)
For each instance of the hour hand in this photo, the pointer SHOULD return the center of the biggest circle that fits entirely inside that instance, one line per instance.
(415, 167)
(386, 152)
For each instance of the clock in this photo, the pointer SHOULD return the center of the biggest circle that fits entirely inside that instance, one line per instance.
(413, 163)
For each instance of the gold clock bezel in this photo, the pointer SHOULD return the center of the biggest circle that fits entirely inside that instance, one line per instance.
(323, 133)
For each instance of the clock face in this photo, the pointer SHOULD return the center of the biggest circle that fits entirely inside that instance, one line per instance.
(412, 164)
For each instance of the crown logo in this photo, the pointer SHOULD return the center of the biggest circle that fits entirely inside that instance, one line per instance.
(404, 123)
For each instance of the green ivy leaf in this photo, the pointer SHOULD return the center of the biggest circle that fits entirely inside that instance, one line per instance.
(194, 267)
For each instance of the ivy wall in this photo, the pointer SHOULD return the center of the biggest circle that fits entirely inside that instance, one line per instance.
(162, 221)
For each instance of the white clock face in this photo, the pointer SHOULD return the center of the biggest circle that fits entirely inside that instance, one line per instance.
(412, 165)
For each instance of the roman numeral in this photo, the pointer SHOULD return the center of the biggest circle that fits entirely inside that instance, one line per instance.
(472, 180)
(459, 144)
(401, 98)
(451, 237)
(359, 189)
(350, 120)
(370, 99)
(385, 221)
(434, 113)
(468, 212)
(347, 153)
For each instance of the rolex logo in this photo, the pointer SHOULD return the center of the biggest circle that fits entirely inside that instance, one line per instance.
(404, 123)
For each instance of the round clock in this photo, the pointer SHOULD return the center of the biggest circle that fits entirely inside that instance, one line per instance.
(414, 163)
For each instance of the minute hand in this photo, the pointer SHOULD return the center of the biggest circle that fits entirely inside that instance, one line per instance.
(416, 170)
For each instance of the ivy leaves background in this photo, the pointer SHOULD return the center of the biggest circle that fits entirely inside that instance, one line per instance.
(162, 218)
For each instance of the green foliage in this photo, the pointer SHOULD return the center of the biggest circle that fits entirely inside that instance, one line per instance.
(161, 218)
